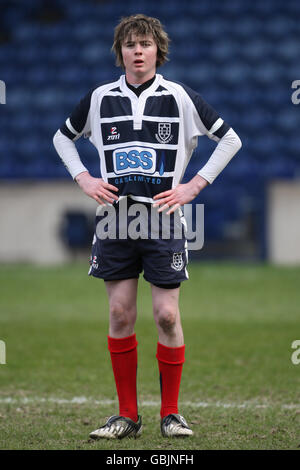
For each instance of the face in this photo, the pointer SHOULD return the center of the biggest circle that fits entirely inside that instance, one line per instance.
(139, 56)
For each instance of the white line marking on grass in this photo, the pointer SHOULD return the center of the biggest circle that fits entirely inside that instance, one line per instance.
(146, 403)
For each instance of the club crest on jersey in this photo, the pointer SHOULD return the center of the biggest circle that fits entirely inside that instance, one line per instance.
(114, 134)
(164, 135)
(177, 262)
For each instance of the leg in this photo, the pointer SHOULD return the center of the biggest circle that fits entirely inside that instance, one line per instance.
(122, 307)
(167, 317)
(170, 356)
(170, 346)
(122, 343)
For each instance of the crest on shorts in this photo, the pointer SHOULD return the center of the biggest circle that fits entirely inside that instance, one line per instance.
(177, 262)
(164, 132)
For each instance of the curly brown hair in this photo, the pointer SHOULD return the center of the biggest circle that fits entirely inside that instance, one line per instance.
(141, 25)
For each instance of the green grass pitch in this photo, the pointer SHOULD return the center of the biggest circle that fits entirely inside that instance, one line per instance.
(239, 390)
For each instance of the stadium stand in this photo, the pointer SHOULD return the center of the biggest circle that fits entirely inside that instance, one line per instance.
(241, 56)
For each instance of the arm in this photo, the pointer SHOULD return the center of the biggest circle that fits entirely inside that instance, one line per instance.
(77, 124)
(95, 188)
(227, 147)
(182, 194)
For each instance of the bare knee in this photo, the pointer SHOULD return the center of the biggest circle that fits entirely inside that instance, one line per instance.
(166, 319)
(122, 318)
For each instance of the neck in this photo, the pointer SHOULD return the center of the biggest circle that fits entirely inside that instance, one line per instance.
(139, 88)
(138, 80)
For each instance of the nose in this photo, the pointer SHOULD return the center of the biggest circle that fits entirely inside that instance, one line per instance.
(138, 49)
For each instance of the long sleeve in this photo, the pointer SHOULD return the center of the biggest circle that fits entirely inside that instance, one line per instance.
(227, 147)
(67, 151)
(74, 127)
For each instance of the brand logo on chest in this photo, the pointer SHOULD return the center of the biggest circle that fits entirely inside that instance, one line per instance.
(134, 160)
(114, 134)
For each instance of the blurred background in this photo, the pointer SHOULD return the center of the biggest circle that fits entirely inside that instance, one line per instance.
(241, 56)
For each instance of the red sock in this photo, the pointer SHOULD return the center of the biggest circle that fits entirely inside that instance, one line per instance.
(123, 353)
(170, 362)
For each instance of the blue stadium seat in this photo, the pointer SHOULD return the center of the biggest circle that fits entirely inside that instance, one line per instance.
(13, 17)
(241, 56)
(54, 33)
(31, 54)
(19, 97)
(262, 9)
(233, 8)
(79, 10)
(236, 72)
(180, 28)
(45, 99)
(171, 9)
(256, 50)
(242, 167)
(276, 96)
(278, 26)
(212, 29)
(26, 33)
(223, 51)
(266, 146)
(287, 48)
(293, 147)
(214, 223)
(187, 55)
(287, 120)
(39, 74)
(76, 230)
(96, 53)
(246, 26)
(87, 31)
(281, 167)
(256, 118)
(72, 76)
(199, 9)
(267, 72)
(64, 54)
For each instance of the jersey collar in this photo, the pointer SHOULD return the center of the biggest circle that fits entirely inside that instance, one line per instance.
(140, 88)
(145, 89)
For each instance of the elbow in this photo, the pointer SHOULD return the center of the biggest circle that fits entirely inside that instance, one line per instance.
(235, 140)
(55, 138)
(238, 143)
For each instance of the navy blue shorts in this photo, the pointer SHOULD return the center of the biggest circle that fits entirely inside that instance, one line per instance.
(163, 261)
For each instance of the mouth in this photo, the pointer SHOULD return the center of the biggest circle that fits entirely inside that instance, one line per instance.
(138, 62)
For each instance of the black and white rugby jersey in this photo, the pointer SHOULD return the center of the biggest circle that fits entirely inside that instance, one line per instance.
(144, 142)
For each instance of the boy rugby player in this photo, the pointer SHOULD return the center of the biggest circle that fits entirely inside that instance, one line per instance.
(145, 129)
